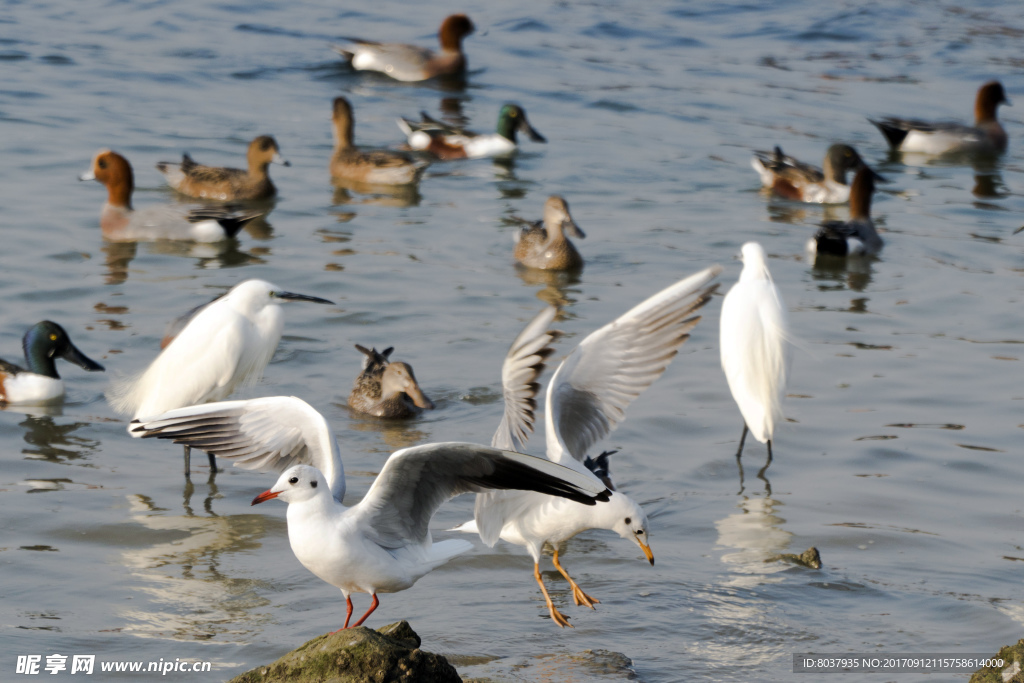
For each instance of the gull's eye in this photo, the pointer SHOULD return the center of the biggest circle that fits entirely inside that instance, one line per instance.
(312, 484)
(629, 520)
(293, 480)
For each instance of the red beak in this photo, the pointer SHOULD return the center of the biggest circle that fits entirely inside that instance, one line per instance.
(265, 496)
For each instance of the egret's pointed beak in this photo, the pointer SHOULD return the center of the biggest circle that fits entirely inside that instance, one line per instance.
(73, 355)
(278, 159)
(525, 127)
(291, 296)
(647, 551)
(265, 496)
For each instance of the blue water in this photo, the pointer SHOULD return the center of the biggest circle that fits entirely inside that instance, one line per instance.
(900, 460)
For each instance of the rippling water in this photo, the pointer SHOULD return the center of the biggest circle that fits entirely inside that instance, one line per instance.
(900, 463)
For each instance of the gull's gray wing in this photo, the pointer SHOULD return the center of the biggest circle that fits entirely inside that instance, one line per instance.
(594, 385)
(523, 364)
(265, 434)
(415, 481)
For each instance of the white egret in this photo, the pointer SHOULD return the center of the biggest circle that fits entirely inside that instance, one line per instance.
(382, 544)
(587, 398)
(755, 347)
(225, 344)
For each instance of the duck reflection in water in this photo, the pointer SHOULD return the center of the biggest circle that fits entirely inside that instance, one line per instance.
(397, 196)
(119, 255)
(54, 442)
(558, 287)
(851, 272)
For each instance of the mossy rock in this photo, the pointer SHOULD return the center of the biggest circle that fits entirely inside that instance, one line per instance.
(1013, 658)
(358, 655)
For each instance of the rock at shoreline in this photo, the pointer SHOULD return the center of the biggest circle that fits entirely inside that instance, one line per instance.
(357, 655)
(1012, 670)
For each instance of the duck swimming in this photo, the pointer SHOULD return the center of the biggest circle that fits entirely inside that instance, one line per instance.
(409, 62)
(858, 235)
(986, 136)
(387, 389)
(121, 223)
(447, 142)
(801, 182)
(39, 383)
(371, 166)
(544, 245)
(227, 184)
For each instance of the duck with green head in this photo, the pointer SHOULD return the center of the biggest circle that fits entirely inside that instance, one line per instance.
(448, 142)
(39, 382)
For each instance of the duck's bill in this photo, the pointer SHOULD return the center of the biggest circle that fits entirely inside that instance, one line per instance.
(73, 355)
(88, 175)
(525, 127)
(278, 159)
(265, 496)
(292, 296)
(419, 398)
(574, 229)
(878, 178)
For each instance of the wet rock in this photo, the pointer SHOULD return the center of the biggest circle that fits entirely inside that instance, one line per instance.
(358, 655)
(1012, 670)
(809, 558)
(588, 666)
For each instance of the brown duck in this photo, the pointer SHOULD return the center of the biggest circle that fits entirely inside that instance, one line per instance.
(370, 166)
(226, 184)
(386, 389)
(544, 245)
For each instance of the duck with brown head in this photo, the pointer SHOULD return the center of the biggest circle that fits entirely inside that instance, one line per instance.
(121, 223)
(544, 245)
(370, 166)
(227, 184)
(387, 389)
(409, 62)
(986, 136)
(856, 236)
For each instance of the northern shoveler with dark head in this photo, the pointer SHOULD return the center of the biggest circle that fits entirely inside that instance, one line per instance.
(227, 184)
(447, 142)
(39, 382)
(792, 179)
(987, 136)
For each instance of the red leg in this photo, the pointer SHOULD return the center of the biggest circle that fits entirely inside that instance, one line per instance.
(348, 615)
(373, 606)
